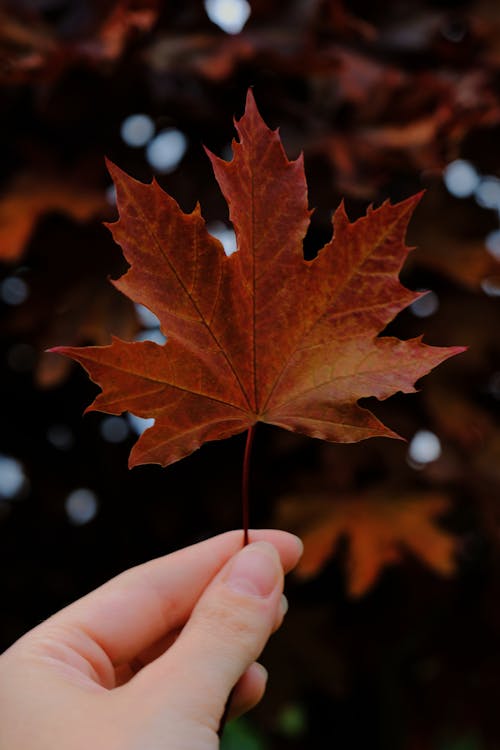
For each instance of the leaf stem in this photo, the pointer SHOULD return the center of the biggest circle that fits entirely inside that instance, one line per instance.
(246, 517)
(245, 484)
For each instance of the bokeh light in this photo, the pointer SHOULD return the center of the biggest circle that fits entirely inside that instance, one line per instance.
(151, 334)
(224, 234)
(492, 243)
(146, 318)
(61, 437)
(425, 306)
(111, 195)
(137, 130)
(13, 480)
(424, 447)
(228, 15)
(114, 429)
(461, 178)
(491, 286)
(487, 193)
(165, 152)
(81, 506)
(151, 325)
(13, 290)
(139, 424)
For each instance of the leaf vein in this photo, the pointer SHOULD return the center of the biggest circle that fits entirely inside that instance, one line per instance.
(193, 302)
(348, 280)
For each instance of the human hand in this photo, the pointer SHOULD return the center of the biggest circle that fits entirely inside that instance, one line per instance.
(147, 661)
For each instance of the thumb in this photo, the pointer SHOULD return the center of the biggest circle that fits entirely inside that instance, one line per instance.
(225, 634)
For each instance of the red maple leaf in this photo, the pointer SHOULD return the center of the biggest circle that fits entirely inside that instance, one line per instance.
(261, 335)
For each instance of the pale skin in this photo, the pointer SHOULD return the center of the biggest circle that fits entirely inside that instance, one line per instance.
(148, 660)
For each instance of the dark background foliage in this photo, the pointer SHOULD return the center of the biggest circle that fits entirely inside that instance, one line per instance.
(381, 97)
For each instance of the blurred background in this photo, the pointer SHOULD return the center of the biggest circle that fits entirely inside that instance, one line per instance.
(393, 634)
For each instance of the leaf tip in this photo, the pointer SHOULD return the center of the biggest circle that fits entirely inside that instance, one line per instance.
(216, 161)
(449, 351)
(395, 436)
(250, 100)
(251, 118)
(109, 225)
(65, 351)
(412, 202)
(112, 168)
(341, 210)
(132, 462)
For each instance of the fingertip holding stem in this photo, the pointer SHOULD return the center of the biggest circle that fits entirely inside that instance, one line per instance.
(255, 570)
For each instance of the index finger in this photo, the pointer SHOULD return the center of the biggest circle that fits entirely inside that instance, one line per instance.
(136, 608)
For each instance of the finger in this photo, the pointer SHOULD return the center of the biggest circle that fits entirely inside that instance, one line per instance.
(125, 672)
(249, 690)
(134, 610)
(225, 634)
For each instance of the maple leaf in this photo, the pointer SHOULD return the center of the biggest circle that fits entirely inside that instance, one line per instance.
(261, 335)
(379, 529)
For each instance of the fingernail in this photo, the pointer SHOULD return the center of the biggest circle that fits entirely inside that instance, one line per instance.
(300, 545)
(262, 670)
(283, 605)
(256, 570)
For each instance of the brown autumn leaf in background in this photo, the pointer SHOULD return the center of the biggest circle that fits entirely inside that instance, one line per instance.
(30, 196)
(454, 246)
(90, 33)
(362, 110)
(261, 335)
(381, 529)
